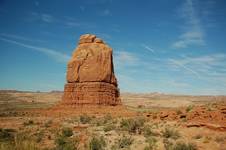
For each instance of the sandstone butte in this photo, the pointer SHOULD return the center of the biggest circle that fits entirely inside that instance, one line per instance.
(90, 74)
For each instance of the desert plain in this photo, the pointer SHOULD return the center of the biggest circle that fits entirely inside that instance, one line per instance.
(37, 120)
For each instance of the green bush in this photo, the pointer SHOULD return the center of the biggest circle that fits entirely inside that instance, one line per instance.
(132, 125)
(97, 143)
(67, 132)
(184, 146)
(85, 119)
(168, 145)
(170, 133)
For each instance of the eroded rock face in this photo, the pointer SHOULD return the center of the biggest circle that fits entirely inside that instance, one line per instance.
(90, 74)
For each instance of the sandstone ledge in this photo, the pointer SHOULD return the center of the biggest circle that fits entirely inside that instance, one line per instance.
(95, 93)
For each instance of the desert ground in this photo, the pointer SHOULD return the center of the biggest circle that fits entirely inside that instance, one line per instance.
(153, 121)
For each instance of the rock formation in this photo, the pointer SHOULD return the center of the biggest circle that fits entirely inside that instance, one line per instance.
(90, 74)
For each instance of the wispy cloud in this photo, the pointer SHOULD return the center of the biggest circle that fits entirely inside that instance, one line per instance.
(205, 66)
(19, 37)
(127, 57)
(178, 63)
(47, 18)
(148, 48)
(58, 56)
(124, 58)
(105, 12)
(177, 84)
(193, 34)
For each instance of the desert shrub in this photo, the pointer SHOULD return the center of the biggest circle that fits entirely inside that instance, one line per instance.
(97, 143)
(29, 122)
(132, 125)
(207, 139)
(109, 127)
(151, 143)
(107, 118)
(220, 139)
(148, 131)
(178, 111)
(170, 133)
(48, 123)
(67, 132)
(64, 143)
(6, 135)
(39, 136)
(184, 146)
(198, 136)
(22, 141)
(6, 146)
(168, 145)
(85, 119)
(189, 108)
(123, 142)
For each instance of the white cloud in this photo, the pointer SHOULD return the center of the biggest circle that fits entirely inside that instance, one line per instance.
(148, 48)
(193, 34)
(58, 56)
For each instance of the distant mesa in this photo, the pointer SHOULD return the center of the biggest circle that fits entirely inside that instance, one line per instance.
(90, 74)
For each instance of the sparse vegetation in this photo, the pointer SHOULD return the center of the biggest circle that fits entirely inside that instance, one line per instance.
(132, 125)
(6, 135)
(148, 131)
(97, 143)
(64, 143)
(107, 118)
(220, 139)
(207, 139)
(189, 108)
(25, 130)
(198, 136)
(48, 123)
(184, 146)
(85, 119)
(29, 122)
(67, 132)
(123, 142)
(151, 143)
(178, 111)
(168, 145)
(170, 133)
(109, 127)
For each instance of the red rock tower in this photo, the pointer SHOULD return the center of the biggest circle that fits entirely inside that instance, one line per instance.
(90, 74)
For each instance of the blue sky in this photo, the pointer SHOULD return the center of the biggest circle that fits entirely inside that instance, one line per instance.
(169, 46)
